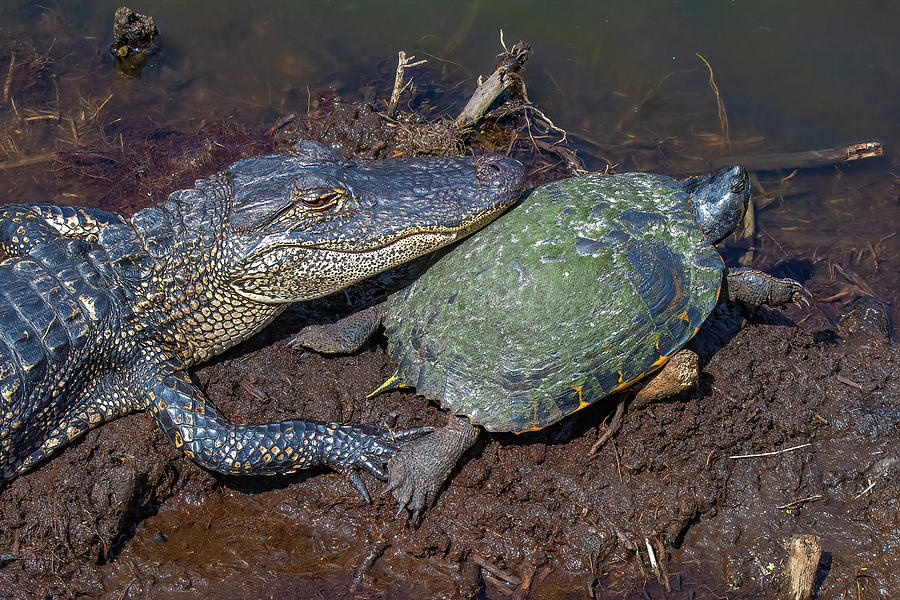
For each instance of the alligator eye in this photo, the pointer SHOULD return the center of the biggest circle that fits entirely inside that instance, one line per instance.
(318, 199)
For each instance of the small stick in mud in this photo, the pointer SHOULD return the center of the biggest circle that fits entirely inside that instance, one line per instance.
(800, 501)
(504, 75)
(372, 555)
(865, 491)
(613, 428)
(799, 573)
(403, 63)
(773, 453)
(496, 571)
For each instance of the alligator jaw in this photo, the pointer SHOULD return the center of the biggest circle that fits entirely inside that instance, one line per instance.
(362, 220)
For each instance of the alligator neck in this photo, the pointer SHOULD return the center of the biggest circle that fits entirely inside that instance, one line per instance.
(169, 263)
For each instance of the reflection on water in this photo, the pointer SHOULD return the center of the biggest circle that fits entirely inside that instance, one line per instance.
(800, 75)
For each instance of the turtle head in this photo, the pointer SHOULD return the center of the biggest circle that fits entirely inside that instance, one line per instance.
(719, 201)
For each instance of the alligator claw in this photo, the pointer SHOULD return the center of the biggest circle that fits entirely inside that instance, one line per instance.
(405, 435)
(800, 295)
(360, 486)
(356, 448)
(374, 469)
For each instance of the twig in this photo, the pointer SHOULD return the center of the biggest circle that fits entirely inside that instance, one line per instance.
(128, 587)
(846, 381)
(27, 161)
(496, 571)
(800, 501)
(805, 159)
(613, 428)
(502, 78)
(99, 108)
(723, 116)
(771, 453)
(372, 555)
(12, 64)
(403, 63)
(862, 493)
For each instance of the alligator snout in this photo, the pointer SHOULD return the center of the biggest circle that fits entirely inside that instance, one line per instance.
(499, 171)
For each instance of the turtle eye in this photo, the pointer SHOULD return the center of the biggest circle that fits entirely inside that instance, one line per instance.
(737, 185)
(320, 199)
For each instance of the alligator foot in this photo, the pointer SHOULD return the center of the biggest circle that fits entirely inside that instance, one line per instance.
(348, 448)
(418, 471)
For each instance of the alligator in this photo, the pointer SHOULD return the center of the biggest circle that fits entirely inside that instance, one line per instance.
(102, 315)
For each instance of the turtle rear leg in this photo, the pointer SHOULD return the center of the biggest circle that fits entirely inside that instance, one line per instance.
(758, 288)
(419, 470)
(679, 374)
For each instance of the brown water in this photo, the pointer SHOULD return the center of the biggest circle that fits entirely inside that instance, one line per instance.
(622, 77)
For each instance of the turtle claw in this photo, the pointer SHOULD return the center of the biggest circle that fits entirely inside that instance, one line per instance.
(419, 470)
(800, 296)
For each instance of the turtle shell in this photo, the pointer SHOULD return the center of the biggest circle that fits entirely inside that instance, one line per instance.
(583, 288)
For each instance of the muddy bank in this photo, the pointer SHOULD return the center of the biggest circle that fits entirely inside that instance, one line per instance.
(122, 513)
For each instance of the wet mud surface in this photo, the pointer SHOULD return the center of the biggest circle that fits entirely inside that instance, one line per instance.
(120, 512)
(664, 510)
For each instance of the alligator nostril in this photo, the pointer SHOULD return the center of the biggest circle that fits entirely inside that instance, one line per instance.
(488, 172)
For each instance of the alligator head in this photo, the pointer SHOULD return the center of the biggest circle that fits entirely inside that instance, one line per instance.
(305, 225)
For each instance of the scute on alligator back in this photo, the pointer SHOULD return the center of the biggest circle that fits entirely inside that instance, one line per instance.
(559, 303)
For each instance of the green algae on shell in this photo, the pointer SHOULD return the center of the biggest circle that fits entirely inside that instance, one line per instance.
(585, 287)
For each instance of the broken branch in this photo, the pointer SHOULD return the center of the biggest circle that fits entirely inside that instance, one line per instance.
(801, 160)
(504, 75)
(403, 63)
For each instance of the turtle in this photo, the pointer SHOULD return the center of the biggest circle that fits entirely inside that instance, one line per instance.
(586, 286)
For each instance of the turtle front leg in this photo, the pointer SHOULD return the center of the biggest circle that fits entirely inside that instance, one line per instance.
(758, 288)
(417, 472)
(204, 435)
(344, 336)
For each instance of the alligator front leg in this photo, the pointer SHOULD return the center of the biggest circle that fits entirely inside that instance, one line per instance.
(202, 432)
(29, 441)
